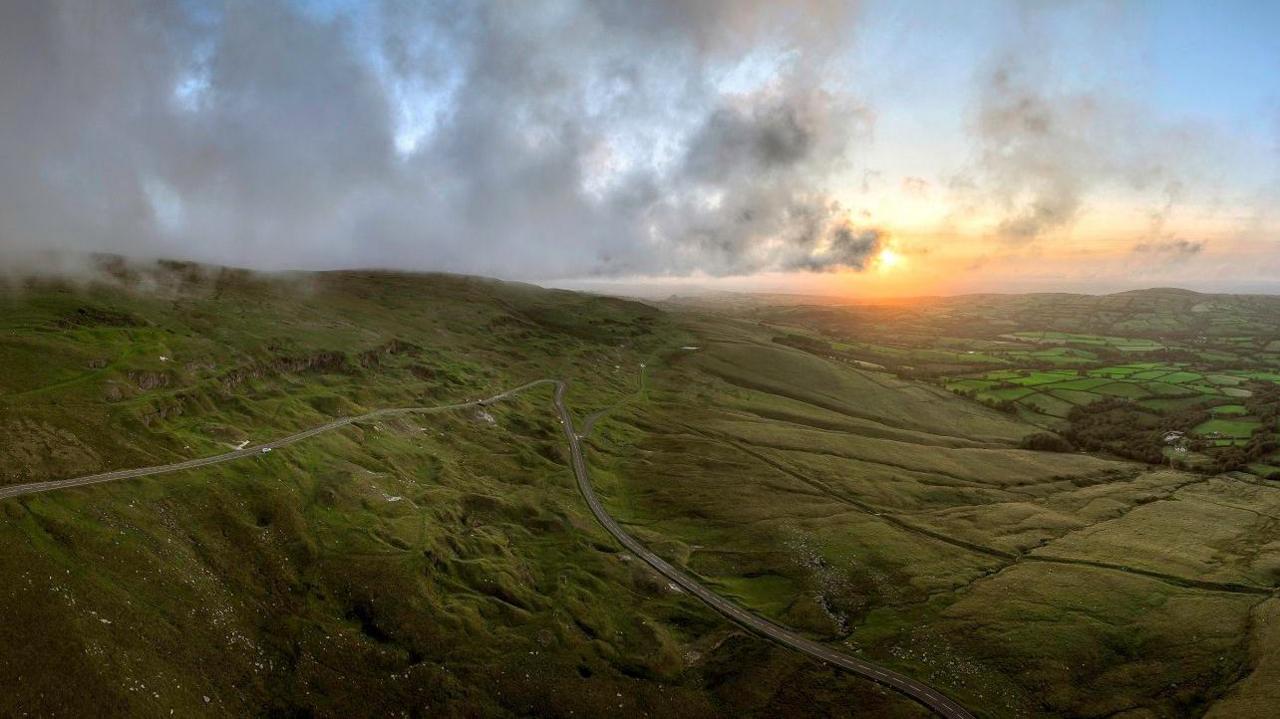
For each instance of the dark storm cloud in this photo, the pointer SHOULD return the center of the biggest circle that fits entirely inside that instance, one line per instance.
(744, 195)
(847, 247)
(520, 139)
(750, 140)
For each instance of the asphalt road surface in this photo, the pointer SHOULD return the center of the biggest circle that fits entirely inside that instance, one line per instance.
(928, 696)
(19, 490)
(935, 700)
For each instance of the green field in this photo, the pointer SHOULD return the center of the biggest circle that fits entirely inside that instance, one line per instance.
(1236, 428)
(1164, 388)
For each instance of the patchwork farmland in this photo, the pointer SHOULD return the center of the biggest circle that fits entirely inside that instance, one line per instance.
(1162, 376)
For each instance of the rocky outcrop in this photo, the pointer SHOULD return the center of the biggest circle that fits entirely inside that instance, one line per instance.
(374, 357)
(161, 412)
(149, 380)
(327, 361)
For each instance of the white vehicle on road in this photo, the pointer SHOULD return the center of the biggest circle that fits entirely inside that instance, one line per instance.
(266, 449)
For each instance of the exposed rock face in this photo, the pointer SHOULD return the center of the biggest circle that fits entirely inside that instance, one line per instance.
(327, 361)
(373, 357)
(316, 362)
(164, 411)
(113, 392)
(322, 361)
(148, 380)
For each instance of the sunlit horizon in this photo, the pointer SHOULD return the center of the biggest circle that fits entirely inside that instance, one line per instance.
(877, 149)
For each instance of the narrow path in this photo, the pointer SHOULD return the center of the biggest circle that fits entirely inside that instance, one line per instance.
(926, 695)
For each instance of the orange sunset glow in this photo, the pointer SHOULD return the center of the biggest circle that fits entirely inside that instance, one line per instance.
(640, 358)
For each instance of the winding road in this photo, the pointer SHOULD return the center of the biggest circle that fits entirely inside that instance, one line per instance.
(19, 490)
(935, 700)
(926, 695)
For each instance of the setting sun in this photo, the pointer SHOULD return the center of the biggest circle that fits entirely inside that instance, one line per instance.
(889, 259)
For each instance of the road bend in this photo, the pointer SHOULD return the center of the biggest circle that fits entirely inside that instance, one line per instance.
(931, 698)
(926, 695)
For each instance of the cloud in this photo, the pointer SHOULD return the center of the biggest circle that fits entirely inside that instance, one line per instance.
(844, 248)
(916, 187)
(1048, 140)
(1170, 250)
(530, 140)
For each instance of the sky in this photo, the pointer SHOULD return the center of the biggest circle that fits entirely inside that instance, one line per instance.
(862, 149)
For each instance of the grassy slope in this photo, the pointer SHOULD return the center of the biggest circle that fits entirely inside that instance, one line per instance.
(244, 355)
(433, 566)
(901, 523)
(444, 564)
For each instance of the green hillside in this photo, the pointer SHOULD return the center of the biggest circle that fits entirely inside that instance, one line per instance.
(430, 565)
(852, 484)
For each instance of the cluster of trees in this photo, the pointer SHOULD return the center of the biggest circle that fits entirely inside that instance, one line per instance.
(926, 373)
(1122, 427)
(1228, 459)
(808, 344)
(1262, 444)
(1046, 442)
(1264, 404)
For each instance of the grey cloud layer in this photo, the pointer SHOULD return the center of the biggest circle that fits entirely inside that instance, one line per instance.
(1171, 250)
(1042, 153)
(1046, 146)
(534, 141)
